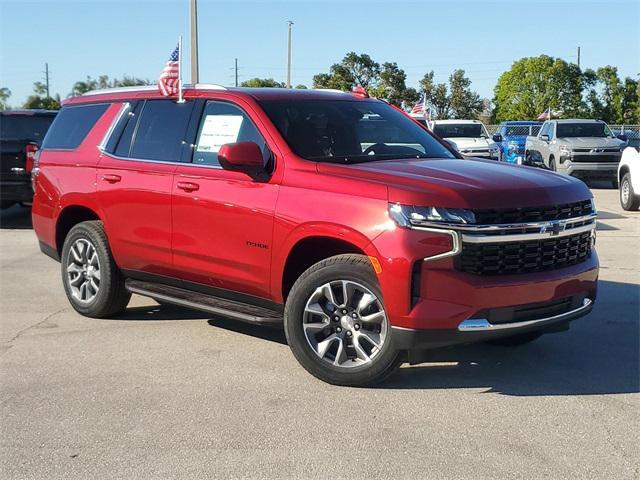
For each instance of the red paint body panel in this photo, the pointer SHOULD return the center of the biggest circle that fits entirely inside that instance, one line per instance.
(232, 232)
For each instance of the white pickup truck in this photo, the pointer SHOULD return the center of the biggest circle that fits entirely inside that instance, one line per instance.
(582, 148)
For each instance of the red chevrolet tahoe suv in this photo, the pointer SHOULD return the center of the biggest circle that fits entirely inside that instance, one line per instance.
(333, 213)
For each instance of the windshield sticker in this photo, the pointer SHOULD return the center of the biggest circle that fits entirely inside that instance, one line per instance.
(218, 130)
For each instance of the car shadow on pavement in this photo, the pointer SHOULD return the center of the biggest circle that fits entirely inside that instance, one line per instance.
(16, 218)
(598, 355)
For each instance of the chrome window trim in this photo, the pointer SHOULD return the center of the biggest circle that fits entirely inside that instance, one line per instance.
(163, 162)
(107, 136)
(483, 325)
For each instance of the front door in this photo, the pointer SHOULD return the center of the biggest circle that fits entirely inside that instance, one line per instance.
(223, 220)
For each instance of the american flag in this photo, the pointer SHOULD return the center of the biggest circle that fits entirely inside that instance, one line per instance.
(546, 115)
(169, 80)
(421, 105)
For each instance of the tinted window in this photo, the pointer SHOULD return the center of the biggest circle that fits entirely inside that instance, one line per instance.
(459, 130)
(350, 131)
(123, 145)
(72, 125)
(583, 130)
(161, 130)
(545, 129)
(223, 123)
(24, 127)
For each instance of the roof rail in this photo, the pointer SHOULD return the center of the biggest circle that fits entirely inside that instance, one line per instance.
(149, 88)
(137, 88)
(334, 90)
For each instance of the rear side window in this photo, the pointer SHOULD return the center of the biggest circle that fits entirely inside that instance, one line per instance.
(24, 127)
(72, 125)
(160, 130)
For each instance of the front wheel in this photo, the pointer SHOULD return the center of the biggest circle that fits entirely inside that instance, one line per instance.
(552, 164)
(336, 324)
(629, 200)
(92, 281)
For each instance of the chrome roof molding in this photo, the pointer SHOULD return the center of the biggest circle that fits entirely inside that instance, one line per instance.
(151, 88)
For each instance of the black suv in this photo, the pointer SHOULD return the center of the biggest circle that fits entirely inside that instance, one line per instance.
(21, 132)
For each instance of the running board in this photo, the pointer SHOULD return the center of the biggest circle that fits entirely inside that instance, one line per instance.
(206, 303)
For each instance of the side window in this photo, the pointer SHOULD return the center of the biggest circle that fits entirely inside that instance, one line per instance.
(72, 125)
(160, 131)
(545, 129)
(551, 131)
(223, 123)
(121, 146)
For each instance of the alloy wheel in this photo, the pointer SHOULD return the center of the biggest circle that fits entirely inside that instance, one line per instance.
(83, 271)
(345, 323)
(625, 191)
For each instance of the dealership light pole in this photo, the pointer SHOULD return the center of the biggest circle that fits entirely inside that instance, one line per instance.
(578, 57)
(290, 23)
(193, 10)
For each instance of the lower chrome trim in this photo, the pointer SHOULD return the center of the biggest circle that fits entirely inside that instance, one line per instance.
(483, 325)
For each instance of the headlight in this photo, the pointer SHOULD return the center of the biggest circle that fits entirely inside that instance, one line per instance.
(410, 216)
(565, 150)
(593, 206)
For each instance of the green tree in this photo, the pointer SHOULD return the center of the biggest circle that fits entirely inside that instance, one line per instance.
(392, 86)
(262, 82)
(455, 100)
(352, 71)
(609, 98)
(103, 81)
(534, 84)
(39, 99)
(5, 93)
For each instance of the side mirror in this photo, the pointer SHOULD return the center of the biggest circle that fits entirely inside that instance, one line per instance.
(544, 137)
(497, 138)
(623, 137)
(451, 144)
(241, 157)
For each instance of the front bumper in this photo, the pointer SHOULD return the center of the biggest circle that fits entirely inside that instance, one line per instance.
(587, 169)
(480, 329)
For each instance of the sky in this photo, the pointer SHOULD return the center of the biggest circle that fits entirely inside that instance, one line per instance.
(135, 37)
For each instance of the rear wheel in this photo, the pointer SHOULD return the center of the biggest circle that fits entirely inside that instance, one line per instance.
(516, 340)
(336, 324)
(628, 198)
(92, 281)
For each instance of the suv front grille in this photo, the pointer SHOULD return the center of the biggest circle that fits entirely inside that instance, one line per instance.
(533, 214)
(502, 258)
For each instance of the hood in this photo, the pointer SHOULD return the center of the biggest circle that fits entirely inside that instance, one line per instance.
(470, 142)
(591, 142)
(459, 183)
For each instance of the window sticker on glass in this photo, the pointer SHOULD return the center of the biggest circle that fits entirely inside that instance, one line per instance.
(218, 130)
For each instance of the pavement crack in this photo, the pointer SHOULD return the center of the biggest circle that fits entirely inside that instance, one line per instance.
(24, 330)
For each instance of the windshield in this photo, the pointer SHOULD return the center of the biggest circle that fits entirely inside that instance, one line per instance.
(459, 130)
(350, 131)
(566, 130)
(24, 127)
(521, 130)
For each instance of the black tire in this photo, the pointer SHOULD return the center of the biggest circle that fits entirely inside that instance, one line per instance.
(516, 340)
(111, 297)
(350, 268)
(552, 164)
(633, 199)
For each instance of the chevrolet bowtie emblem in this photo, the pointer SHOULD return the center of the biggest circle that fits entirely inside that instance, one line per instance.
(554, 227)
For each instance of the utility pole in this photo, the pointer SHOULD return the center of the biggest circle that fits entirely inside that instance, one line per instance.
(578, 57)
(46, 78)
(290, 23)
(236, 68)
(193, 10)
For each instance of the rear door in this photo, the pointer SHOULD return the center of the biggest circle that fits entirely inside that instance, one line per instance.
(135, 176)
(223, 220)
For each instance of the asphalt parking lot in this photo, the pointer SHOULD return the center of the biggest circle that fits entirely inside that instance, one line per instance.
(163, 392)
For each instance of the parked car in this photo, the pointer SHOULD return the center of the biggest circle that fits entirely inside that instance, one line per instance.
(582, 148)
(511, 138)
(629, 178)
(21, 131)
(332, 213)
(470, 137)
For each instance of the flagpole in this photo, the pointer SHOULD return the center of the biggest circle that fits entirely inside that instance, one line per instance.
(180, 99)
